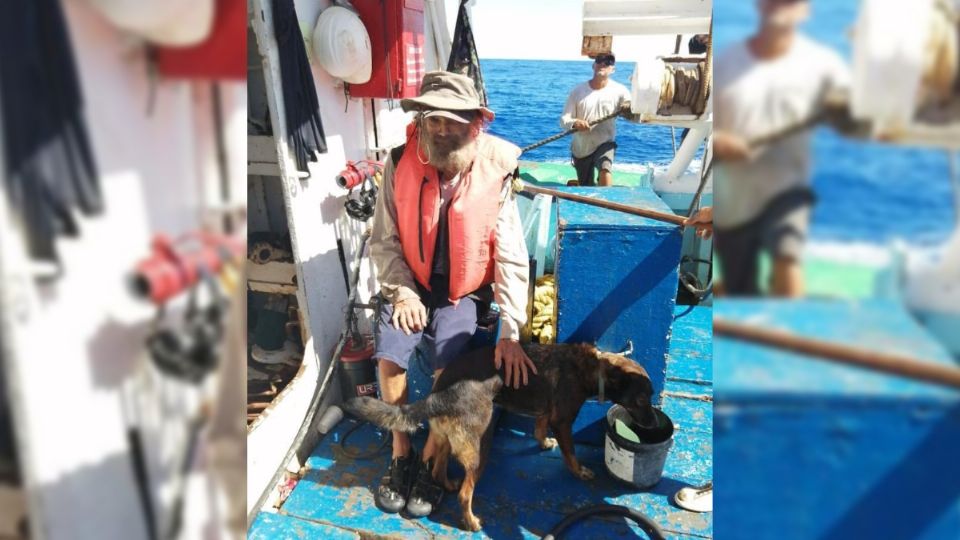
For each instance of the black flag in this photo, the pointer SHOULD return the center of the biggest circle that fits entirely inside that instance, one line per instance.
(463, 54)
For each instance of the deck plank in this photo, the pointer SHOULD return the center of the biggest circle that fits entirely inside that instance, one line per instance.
(525, 491)
(691, 346)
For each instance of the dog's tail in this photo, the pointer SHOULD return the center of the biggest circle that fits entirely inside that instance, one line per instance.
(407, 418)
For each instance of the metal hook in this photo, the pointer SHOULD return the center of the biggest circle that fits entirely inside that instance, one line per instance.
(628, 350)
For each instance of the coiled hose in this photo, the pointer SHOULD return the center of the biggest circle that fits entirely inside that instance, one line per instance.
(648, 525)
(359, 454)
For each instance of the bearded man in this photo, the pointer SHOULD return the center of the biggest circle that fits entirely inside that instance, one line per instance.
(446, 239)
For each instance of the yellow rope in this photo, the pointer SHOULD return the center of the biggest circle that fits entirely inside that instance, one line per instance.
(682, 86)
(688, 86)
(543, 327)
(940, 72)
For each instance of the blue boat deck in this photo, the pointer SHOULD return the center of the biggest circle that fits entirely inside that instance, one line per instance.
(524, 491)
(845, 452)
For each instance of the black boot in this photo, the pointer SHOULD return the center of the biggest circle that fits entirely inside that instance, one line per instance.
(391, 495)
(426, 494)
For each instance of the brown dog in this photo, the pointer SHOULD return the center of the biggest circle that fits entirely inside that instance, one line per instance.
(460, 406)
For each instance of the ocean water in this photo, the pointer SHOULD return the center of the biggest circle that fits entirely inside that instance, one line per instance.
(528, 98)
(868, 193)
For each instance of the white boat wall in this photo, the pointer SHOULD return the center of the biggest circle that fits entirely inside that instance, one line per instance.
(356, 129)
(73, 348)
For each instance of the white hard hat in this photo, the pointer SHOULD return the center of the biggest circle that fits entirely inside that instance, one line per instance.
(172, 23)
(342, 46)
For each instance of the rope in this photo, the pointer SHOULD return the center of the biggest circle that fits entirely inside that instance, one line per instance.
(706, 79)
(695, 203)
(826, 112)
(567, 132)
(688, 86)
(903, 366)
(941, 71)
(688, 279)
(787, 131)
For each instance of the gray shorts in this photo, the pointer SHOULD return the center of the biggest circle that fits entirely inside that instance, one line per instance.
(600, 160)
(780, 230)
(448, 331)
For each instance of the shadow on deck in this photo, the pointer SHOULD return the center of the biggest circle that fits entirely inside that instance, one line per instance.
(524, 491)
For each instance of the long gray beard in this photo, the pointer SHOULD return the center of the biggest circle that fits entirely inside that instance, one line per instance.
(446, 159)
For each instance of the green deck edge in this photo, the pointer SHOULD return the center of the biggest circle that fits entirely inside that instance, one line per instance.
(546, 174)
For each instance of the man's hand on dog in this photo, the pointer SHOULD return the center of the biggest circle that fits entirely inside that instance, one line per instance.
(409, 315)
(510, 353)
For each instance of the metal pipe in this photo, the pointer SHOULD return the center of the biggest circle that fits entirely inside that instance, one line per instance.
(627, 209)
(687, 151)
(893, 364)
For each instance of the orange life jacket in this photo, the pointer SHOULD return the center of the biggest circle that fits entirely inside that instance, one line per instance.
(471, 214)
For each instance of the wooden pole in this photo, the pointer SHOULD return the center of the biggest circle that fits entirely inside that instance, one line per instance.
(893, 364)
(627, 209)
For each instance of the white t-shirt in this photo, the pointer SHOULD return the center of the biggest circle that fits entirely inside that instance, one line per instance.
(756, 97)
(585, 103)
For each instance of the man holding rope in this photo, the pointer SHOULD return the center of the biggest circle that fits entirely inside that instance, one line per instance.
(593, 146)
(776, 79)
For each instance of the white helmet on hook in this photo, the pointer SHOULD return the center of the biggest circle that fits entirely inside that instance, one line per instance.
(341, 45)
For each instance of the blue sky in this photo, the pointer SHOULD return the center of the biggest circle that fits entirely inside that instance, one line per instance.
(542, 30)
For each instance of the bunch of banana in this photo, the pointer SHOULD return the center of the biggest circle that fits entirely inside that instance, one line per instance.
(543, 324)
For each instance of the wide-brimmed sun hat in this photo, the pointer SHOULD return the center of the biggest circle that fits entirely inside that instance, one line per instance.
(446, 94)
